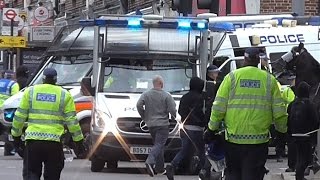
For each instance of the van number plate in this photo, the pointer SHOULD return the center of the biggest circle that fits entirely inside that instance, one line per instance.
(140, 150)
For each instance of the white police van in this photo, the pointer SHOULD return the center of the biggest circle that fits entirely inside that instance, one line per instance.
(275, 36)
(131, 51)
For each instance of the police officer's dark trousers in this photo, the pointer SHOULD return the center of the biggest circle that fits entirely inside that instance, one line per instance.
(246, 161)
(39, 153)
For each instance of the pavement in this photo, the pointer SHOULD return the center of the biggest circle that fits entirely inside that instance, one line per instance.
(11, 168)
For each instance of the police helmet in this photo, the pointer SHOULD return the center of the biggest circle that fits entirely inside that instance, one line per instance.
(252, 53)
(50, 73)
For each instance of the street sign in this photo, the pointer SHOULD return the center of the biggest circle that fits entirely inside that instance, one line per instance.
(21, 23)
(41, 13)
(12, 41)
(10, 14)
(42, 33)
(23, 15)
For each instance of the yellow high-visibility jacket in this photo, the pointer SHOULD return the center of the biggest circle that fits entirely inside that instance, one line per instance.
(248, 100)
(46, 108)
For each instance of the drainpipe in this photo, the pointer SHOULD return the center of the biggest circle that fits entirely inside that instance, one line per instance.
(228, 7)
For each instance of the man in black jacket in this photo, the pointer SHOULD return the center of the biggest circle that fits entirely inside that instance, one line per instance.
(302, 119)
(22, 75)
(212, 85)
(192, 117)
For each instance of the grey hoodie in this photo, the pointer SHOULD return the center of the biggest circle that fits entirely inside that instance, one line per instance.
(154, 107)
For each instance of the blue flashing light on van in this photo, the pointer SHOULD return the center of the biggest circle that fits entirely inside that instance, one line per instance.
(134, 22)
(185, 24)
(222, 26)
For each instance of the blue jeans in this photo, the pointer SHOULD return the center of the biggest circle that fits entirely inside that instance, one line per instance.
(190, 139)
(156, 157)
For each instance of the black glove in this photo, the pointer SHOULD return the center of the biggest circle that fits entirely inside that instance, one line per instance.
(19, 145)
(17, 142)
(282, 137)
(80, 149)
(210, 136)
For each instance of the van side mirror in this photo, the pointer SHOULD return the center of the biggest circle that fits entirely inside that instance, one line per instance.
(86, 88)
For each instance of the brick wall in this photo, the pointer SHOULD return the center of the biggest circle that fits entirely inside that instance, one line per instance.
(277, 6)
(312, 7)
(135, 4)
(140, 4)
(74, 6)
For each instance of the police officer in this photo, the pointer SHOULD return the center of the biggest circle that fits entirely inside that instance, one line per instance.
(288, 96)
(47, 108)
(8, 86)
(248, 100)
(288, 93)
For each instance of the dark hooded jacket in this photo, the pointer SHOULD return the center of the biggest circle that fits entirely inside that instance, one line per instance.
(22, 76)
(191, 104)
(303, 115)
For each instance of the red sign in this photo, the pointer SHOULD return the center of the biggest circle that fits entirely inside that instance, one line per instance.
(10, 14)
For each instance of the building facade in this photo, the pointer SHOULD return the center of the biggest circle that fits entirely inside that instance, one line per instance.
(301, 7)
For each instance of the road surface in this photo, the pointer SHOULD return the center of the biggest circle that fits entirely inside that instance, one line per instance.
(11, 168)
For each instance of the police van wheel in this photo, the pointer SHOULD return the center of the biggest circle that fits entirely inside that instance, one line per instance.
(97, 165)
(112, 164)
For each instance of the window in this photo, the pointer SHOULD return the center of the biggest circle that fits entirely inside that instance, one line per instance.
(130, 76)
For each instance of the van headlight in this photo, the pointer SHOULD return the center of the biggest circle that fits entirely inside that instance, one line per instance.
(103, 122)
(99, 122)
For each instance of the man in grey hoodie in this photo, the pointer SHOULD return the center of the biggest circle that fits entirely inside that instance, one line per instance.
(154, 107)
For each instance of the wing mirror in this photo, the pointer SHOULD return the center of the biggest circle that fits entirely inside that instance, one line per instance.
(86, 88)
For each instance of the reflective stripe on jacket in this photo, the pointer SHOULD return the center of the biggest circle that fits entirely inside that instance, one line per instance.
(46, 108)
(248, 100)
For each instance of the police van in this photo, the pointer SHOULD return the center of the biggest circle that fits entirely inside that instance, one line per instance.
(175, 48)
(275, 36)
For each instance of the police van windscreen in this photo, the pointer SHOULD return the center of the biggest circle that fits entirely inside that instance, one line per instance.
(70, 69)
(136, 76)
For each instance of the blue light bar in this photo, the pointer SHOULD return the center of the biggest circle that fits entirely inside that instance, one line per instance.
(90, 22)
(184, 24)
(314, 21)
(221, 27)
(134, 22)
(201, 25)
